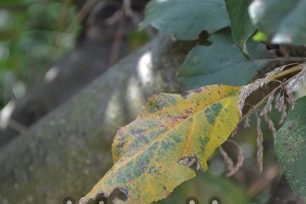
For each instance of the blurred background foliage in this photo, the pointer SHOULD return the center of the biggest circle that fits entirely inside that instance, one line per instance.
(33, 34)
(36, 33)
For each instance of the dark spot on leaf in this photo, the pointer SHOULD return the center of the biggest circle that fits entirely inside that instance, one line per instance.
(170, 100)
(152, 106)
(176, 137)
(167, 144)
(120, 132)
(291, 126)
(188, 112)
(177, 118)
(212, 112)
(159, 104)
(136, 167)
(154, 170)
(203, 141)
(119, 145)
(140, 141)
(136, 132)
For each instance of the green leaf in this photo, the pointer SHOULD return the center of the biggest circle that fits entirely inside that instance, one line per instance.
(290, 147)
(284, 21)
(221, 63)
(205, 187)
(260, 37)
(147, 152)
(241, 25)
(185, 19)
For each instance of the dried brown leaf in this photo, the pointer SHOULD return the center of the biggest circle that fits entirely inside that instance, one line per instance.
(232, 168)
(259, 144)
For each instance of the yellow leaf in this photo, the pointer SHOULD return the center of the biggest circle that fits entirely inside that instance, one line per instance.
(171, 127)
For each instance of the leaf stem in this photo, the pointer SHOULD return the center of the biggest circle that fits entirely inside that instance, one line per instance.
(286, 72)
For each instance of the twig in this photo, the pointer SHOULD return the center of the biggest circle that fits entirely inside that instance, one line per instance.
(117, 40)
(263, 181)
(129, 12)
(17, 126)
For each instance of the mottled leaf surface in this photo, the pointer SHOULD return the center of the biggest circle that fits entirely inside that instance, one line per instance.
(221, 63)
(185, 19)
(290, 147)
(241, 25)
(148, 150)
(284, 21)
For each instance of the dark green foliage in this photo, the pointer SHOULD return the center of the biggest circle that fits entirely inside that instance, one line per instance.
(185, 19)
(290, 147)
(221, 63)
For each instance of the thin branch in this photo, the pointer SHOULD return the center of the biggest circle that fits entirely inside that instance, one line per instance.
(129, 12)
(232, 169)
(263, 181)
(81, 15)
(286, 72)
(17, 126)
(117, 43)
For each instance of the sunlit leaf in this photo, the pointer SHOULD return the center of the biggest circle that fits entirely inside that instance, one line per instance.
(185, 19)
(171, 127)
(284, 21)
(290, 147)
(221, 63)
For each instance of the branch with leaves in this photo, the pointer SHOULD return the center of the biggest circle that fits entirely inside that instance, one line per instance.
(175, 132)
(175, 135)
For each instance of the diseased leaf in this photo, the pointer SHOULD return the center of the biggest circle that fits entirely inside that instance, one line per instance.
(221, 63)
(185, 19)
(241, 25)
(147, 152)
(290, 147)
(284, 21)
